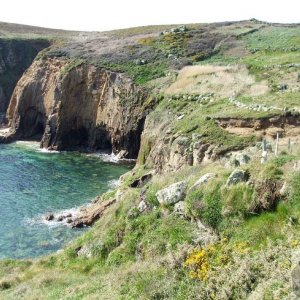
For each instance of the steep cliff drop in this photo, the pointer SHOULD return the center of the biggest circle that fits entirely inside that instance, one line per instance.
(81, 106)
(16, 55)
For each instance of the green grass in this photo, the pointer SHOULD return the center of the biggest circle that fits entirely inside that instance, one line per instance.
(274, 38)
(72, 64)
(141, 74)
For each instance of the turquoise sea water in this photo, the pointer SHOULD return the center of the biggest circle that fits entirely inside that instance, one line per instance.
(34, 183)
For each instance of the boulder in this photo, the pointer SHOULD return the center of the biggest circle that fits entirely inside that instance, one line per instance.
(242, 159)
(122, 154)
(203, 180)
(237, 176)
(172, 194)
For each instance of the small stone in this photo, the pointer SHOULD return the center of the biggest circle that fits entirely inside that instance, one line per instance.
(179, 208)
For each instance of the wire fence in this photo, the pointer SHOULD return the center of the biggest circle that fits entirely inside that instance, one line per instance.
(279, 146)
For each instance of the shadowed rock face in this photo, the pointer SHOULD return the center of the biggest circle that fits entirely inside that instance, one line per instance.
(86, 106)
(16, 56)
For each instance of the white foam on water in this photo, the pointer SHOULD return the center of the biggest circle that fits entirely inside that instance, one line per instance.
(110, 157)
(105, 157)
(28, 144)
(40, 220)
(44, 150)
(113, 183)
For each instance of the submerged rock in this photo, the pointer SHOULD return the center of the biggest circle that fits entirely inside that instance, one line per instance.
(49, 217)
(172, 194)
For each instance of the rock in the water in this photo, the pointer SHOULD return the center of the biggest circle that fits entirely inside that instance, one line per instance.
(237, 176)
(122, 154)
(172, 194)
(179, 208)
(49, 217)
(60, 218)
(203, 180)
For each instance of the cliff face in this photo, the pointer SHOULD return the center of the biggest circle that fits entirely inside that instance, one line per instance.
(166, 151)
(15, 57)
(84, 106)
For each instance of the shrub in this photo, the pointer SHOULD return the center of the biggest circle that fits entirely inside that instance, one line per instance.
(237, 200)
(194, 203)
(211, 215)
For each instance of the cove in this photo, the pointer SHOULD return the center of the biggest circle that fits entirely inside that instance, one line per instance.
(34, 183)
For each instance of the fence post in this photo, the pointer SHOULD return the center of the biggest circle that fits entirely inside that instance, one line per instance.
(276, 146)
(289, 146)
(264, 154)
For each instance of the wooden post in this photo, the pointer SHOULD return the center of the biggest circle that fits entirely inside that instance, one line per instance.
(289, 146)
(276, 146)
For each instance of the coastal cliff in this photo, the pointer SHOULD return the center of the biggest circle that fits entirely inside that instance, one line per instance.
(16, 55)
(211, 208)
(71, 106)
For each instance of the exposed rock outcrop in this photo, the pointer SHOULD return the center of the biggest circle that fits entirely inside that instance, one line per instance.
(165, 152)
(172, 194)
(236, 177)
(80, 106)
(16, 55)
(203, 180)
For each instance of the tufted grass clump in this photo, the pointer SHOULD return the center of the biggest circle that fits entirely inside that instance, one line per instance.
(238, 200)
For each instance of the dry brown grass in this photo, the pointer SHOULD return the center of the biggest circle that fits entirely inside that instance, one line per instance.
(224, 81)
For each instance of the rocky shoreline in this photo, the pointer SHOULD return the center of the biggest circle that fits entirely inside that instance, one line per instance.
(84, 216)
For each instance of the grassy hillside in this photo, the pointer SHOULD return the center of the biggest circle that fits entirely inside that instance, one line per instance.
(226, 84)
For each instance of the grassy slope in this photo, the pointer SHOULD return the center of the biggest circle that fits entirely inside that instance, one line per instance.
(144, 256)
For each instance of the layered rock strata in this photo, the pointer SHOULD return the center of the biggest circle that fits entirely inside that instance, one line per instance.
(68, 105)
